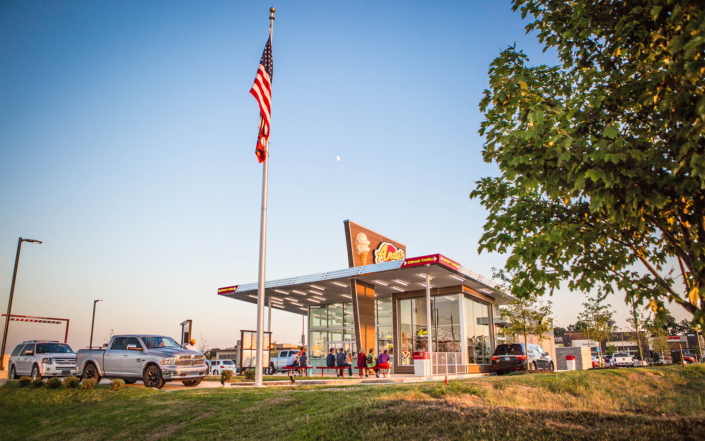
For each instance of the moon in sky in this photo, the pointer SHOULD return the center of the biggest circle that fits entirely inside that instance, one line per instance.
(338, 158)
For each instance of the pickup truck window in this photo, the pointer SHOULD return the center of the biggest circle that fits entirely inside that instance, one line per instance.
(283, 354)
(133, 341)
(160, 342)
(119, 344)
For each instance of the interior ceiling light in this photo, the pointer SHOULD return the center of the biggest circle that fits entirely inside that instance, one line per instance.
(339, 284)
(398, 289)
(456, 277)
(298, 292)
(282, 292)
(382, 283)
(315, 292)
(401, 283)
(318, 287)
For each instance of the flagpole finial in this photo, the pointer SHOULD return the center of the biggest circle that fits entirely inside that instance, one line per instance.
(271, 9)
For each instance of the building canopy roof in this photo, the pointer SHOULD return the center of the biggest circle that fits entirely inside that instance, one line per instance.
(296, 294)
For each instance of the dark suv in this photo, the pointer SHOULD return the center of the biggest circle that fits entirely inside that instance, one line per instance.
(511, 358)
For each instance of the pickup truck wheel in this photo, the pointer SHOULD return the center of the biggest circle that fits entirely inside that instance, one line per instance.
(35, 372)
(13, 373)
(192, 383)
(91, 372)
(153, 377)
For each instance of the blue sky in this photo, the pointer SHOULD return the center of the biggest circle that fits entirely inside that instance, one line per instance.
(127, 139)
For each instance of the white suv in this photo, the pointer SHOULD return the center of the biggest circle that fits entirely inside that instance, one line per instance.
(218, 366)
(42, 358)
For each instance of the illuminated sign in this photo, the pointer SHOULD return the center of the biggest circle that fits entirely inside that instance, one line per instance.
(386, 252)
(418, 261)
(422, 333)
(227, 290)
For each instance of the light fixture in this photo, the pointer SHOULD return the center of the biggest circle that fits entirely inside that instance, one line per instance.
(381, 283)
(314, 301)
(424, 276)
(276, 299)
(315, 292)
(340, 284)
(282, 292)
(458, 278)
(318, 287)
(449, 298)
(250, 295)
(304, 309)
(400, 282)
(319, 298)
(483, 289)
(398, 289)
(278, 306)
(298, 292)
(345, 295)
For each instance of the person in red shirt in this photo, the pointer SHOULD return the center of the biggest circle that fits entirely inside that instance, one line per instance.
(362, 363)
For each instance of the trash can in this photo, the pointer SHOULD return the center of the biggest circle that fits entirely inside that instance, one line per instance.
(422, 364)
(570, 362)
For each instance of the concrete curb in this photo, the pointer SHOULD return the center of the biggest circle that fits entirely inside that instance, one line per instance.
(360, 382)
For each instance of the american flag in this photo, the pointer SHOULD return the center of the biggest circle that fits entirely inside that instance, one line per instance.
(262, 91)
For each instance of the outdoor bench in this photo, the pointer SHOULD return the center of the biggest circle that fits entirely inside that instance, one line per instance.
(340, 368)
(297, 368)
(385, 371)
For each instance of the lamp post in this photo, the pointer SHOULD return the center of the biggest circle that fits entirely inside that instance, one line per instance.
(93, 322)
(12, 293)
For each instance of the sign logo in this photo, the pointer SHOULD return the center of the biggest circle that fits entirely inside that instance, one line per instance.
(386, 252)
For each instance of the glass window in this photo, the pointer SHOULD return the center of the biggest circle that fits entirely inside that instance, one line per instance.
(385, 340)
(17, 350)
(348, 317)
(349, 335)
(384, 311)
(317, 317)
(119, 344)
(477, 331)
(134, 341)
(335, 315)
(53, 348)
(446, 324)
(413, 334)
(28, 350)
(318, 344)
(335, 335)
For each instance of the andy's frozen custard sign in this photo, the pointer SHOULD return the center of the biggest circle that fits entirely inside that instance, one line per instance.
(366, 247)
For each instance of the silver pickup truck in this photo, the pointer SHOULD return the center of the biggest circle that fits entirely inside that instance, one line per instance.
(154, 359)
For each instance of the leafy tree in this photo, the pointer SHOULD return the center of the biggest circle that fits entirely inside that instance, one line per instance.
(598, 320)
(579, 326)
(656, 328)
(611, 349)
(636, 323)
(527, 317)
(602, 157)
(558, 331)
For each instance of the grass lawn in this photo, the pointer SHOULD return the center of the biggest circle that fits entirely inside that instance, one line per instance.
(626, 404)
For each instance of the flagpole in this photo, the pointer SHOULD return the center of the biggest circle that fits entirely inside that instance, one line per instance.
(262, 254)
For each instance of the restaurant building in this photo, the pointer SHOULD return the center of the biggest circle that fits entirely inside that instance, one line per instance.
(379, 303)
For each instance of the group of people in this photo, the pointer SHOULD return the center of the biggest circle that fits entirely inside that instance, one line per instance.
(297, 360)
(365, 363)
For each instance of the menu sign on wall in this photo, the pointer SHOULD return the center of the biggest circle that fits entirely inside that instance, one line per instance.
(366, 247)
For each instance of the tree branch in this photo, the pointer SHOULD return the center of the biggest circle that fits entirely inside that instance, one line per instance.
(673, 296)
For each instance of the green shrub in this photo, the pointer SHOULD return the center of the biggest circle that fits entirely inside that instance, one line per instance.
(24, 381)
(228, 375)
(117, 384)
(71, 382)
(54, 383)
(38, 382)
(89, 384)
(249, 374)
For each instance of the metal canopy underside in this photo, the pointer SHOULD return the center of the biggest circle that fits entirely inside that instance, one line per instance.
(296, 294)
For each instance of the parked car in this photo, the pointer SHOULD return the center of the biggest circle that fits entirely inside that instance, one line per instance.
(42, 358)
(606, 359)
(218, 366)
(621, 359)
(280, 361)
(512, 357)
(595, 361)
(154, 359)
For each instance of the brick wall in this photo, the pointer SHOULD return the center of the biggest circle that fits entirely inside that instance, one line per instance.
(583, 360)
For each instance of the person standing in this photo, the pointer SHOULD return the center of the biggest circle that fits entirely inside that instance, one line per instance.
(342, 361)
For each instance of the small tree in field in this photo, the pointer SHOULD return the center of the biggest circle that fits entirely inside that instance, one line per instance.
(657, 329)
(598, 320)
(527, 317)
(203, 345)
(636, 324)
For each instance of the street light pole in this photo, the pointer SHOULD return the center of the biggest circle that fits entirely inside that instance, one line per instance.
(93, 322)
(12, 293)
